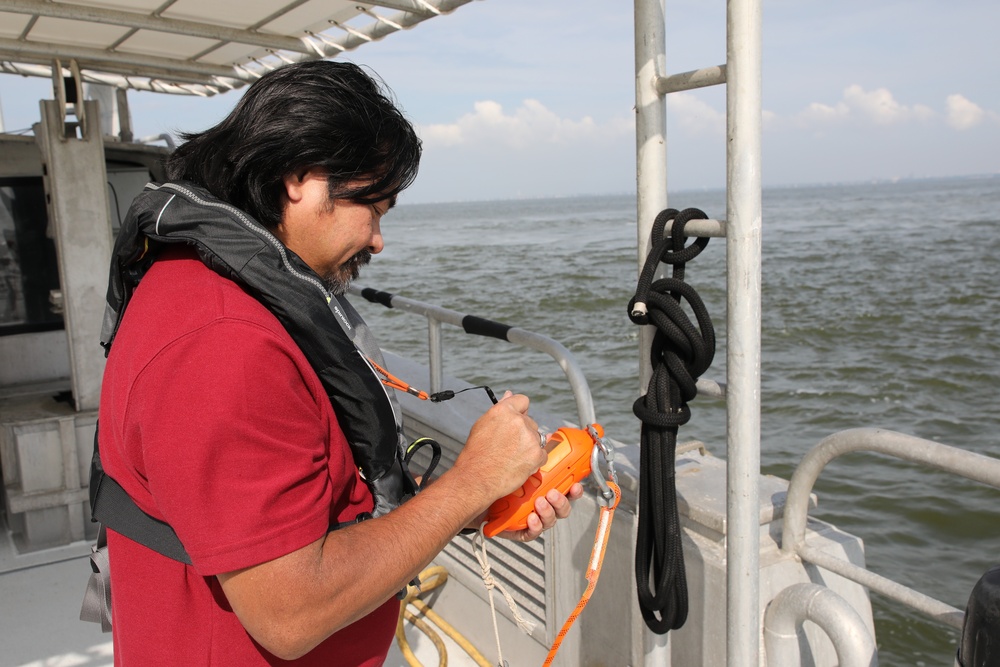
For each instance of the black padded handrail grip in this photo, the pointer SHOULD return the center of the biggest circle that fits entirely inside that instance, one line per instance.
(377, 296)
(471, 324)
(481, 326)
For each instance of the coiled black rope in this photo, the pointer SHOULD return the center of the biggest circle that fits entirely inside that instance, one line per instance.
(680, 353)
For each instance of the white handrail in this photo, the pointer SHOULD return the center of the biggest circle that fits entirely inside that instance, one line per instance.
(970, 465)
(785, 614)
(436, 315)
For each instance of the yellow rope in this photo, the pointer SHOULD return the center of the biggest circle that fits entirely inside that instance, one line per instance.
(424, 627)
(431, 578)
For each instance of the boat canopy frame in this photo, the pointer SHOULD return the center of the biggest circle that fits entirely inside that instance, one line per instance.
(190, 47)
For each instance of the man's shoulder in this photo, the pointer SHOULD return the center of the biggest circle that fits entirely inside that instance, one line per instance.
(182, 276)
(179, 294)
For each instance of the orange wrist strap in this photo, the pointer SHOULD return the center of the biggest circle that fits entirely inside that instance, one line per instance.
(593, 569)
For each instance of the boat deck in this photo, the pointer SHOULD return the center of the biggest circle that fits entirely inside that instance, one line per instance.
(46, 630)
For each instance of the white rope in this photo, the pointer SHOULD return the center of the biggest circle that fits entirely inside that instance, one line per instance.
(479, 551)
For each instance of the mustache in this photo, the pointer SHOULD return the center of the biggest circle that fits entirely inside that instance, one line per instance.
(353, 266)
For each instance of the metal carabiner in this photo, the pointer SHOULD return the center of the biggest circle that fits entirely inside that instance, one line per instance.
(602, 447)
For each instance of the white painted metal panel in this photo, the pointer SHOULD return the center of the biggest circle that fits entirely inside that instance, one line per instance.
(77, 33)
(231, 52)
(33, 358)
(237, 15)
(147, 6)
(315, 16)
(12, 25)
(153, 43)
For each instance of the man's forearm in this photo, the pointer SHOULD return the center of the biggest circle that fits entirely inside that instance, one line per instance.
(293, 603)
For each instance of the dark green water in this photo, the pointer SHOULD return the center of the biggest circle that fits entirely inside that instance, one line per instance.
(881, 308)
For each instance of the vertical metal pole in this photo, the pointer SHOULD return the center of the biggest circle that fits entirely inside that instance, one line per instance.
(124, 115)
(76, 184)
(651, 198)
(743, 244)
(435, 352)
(651, 142)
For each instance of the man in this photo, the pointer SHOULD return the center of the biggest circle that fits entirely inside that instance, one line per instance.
(237, 409)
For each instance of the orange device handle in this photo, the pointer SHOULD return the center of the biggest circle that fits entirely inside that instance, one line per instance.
(569, 462)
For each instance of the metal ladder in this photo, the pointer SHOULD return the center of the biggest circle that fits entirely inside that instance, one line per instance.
(741, 75)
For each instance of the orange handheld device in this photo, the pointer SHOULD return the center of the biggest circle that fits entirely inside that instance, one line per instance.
(569, 462)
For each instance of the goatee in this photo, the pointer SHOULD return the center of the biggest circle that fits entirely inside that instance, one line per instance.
(348, 271)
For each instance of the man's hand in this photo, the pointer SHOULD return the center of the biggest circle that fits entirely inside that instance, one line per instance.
(502, 449)
(548, 510)
(519, 455)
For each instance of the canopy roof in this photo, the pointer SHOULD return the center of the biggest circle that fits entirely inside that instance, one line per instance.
(193, 47)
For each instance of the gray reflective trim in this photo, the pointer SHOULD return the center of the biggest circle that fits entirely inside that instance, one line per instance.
(249, 224)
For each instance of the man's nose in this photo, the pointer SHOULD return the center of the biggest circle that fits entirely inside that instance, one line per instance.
(376, 244)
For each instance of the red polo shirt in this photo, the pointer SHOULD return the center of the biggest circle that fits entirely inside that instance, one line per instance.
(213, 421)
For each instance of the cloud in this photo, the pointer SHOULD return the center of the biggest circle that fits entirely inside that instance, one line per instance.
(694, 115)
(529, 151)
(768, 119)
(532, 125)
(875, 106)
(528, 126)
(964, 114)
(819, 113)
(879, 106)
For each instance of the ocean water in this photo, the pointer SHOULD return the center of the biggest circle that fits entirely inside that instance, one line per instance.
(881, 308)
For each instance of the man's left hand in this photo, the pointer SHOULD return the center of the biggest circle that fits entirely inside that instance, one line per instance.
(548, 510)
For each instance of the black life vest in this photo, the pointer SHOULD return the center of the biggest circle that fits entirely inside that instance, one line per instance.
(330, 333)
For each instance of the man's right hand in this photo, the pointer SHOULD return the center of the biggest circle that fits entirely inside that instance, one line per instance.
(503, 448)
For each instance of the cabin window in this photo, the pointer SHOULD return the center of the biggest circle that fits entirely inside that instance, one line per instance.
(28, 266)
(125, 182)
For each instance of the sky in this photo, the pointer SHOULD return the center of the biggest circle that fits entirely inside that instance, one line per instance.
(534, 98)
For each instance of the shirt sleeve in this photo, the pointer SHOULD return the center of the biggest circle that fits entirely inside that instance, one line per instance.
(235, 445)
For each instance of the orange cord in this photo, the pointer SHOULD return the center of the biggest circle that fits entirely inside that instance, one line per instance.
(593, 569)
(391, 380)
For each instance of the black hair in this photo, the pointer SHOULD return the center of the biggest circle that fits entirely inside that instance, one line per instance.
(330, 115)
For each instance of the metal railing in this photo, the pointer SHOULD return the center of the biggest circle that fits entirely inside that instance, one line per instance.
(970, 465)
(436, 316)
(741, 74)
(854, 645)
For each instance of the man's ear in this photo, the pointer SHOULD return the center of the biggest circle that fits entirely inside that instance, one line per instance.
(293, 184)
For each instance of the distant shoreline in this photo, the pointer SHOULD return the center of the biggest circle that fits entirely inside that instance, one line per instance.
(766, 188)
